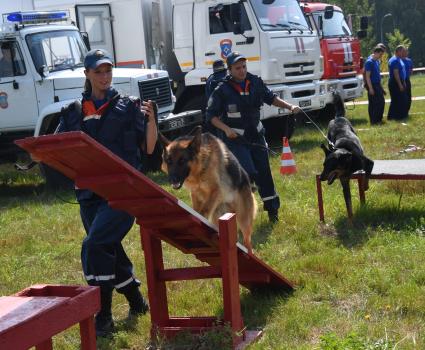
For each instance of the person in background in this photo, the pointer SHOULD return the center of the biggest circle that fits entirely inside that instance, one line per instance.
(219, 73)
(127, 128)
(409, 69)
(234, 108)
(397, 86)
(375, 92)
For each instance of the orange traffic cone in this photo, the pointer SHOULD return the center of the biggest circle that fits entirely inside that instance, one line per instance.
(287, 162)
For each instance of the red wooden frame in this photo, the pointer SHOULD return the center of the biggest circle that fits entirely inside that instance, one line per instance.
(33, 316)
(162, 217)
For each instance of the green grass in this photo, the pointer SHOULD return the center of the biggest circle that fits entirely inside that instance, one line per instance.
(359, 287)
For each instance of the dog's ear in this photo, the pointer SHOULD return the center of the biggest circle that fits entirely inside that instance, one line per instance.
(195, 130)
(163, 140)
(195, 144)
(325, 149)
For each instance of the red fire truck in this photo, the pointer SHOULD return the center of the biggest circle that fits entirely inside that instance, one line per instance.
(340, 49)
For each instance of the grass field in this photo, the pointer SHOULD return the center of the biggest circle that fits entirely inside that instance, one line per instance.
(360, 287)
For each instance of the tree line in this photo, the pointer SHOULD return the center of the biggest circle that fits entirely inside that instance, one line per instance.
(403, 24)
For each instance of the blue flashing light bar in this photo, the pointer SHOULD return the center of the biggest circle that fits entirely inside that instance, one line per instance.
(37, 17)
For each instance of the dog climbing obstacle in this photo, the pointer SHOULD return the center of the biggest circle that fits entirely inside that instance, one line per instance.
(162, 217)
(401, 169)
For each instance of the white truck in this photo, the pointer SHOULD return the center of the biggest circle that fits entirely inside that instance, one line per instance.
(41, 71)
(186, 36)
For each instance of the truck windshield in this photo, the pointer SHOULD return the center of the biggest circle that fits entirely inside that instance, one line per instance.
(335, 26)
(57, 50)
(279, 14)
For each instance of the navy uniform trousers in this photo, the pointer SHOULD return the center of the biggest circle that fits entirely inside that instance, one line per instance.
(376, 104)
(399, 101)
(104, 260)
(255, 161)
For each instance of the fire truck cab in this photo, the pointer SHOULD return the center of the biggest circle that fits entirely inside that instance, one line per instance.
(340, 49)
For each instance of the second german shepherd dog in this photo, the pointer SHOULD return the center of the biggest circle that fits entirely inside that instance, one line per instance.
(214, 177)
(345, 158)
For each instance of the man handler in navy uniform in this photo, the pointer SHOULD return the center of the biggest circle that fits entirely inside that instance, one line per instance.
(234, 108)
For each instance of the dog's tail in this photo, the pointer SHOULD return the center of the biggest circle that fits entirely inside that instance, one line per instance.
(339, 105)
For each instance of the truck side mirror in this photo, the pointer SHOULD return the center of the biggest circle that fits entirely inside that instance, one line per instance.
(364, 23)
(86, 40)
(329, 12)
(43, 71)
(361, 34)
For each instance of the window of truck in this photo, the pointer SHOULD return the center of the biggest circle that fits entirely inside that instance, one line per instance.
(57, 50)
(11, 61)
(280, 14)
(221, 21)
(335, 26)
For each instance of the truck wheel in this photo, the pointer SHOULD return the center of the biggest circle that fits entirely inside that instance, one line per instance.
(54, 179)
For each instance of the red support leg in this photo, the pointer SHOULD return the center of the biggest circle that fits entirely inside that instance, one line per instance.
(157, 290)
(230, 275)
(361, 180)
(88, 334)
(320, 198)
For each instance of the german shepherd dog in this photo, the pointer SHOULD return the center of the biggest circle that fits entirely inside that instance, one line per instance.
(346, 156)
(215, 179)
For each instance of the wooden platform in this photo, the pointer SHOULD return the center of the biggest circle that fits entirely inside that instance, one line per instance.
(162, 217)
(404, 169)
(33, 316)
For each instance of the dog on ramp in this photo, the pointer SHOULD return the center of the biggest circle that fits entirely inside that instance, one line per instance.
(344, 158)
(217, 183)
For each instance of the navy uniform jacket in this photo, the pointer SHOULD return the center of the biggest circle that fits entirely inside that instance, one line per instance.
(240, 108)
(121, 129)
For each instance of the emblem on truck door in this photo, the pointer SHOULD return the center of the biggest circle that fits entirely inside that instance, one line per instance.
(226, 48)
(3, 100)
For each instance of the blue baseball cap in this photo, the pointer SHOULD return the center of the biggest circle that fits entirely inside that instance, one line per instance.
(96, 57)
(234, 57)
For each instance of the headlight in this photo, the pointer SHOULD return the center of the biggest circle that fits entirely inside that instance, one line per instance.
(332, 87)
(282, 95)
(322, 89)
(322, 64)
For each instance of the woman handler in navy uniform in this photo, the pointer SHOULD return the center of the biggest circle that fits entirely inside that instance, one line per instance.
(234, 107)
(127, 128)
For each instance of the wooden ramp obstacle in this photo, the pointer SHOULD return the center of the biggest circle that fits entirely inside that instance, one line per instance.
(162, 217)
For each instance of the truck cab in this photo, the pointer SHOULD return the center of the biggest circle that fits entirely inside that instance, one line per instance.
(340, 49)
(46, 73)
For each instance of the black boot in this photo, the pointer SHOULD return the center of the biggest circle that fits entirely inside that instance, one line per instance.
(138, 304)
(273, 216)
(103, 320)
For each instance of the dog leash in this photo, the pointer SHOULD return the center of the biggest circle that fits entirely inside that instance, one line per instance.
(318, 128)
